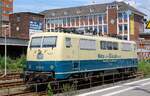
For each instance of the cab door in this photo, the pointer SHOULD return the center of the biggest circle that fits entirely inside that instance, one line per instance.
(72, 54)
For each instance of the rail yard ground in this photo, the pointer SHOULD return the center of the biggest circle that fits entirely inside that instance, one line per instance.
(16, 87)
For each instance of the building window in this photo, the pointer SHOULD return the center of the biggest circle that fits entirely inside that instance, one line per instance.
(100, 30)
(90, 20)
(95, 19)
(125, 16)
(48, 21)
(82, 20)
(77, 21)
(73, 21)
(0, 3)
(120, 28)
(68, 21)
(0, 10)
(8, 12)
(120, 17)
(95, 31)
(125, 27)
(86, 20)
(59, 21)
(64, 21)
(100, 19)
(105, 28)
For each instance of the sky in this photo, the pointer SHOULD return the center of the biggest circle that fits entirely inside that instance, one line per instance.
(41, 5)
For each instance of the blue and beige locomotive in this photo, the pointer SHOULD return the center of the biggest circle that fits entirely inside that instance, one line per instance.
(57, 56)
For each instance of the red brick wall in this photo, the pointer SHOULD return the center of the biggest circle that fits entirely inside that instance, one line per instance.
(21, 22)
(137, 23)
(112, 15)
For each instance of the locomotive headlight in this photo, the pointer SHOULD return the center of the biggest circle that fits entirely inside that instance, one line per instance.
(52, 67)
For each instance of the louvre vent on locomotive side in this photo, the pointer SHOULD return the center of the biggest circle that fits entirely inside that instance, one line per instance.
(62, 55)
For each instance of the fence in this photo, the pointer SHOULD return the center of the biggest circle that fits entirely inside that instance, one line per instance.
(69, 87)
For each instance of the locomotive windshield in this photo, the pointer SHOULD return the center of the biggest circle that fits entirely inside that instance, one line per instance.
(36, 42)
(49, 41)
(43, 42)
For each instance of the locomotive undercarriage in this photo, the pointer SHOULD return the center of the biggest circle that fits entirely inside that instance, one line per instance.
(40, 77)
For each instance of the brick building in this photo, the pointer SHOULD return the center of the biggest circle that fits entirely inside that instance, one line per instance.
(15, 47)
(6, 8)
(144, 46)
(24, 24)
(19, 28)
(115, 19)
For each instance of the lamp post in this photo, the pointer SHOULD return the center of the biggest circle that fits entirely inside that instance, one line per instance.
(5, 27)
(5, 52)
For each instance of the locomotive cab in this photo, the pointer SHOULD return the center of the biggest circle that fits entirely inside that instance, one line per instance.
(41, 56)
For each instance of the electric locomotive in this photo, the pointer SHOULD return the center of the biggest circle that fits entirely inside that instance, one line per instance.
(57, 56)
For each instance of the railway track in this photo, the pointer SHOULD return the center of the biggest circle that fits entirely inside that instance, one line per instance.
(28, 94)
(10, 76)
(57, 85)
(12, 83)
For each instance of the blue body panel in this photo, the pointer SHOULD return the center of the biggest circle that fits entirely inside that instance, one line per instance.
(63, 69)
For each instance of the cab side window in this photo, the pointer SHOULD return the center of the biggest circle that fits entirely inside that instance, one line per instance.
(68, 42)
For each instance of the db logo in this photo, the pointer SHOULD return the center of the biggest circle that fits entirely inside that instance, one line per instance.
(40, 55)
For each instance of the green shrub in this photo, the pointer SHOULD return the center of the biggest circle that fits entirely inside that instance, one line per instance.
(144, 66)
(21, 61)
(50, 91)
(13, 64)
(68, 89)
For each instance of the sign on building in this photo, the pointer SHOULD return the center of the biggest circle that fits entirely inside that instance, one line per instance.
(148, 25)
(35, 26)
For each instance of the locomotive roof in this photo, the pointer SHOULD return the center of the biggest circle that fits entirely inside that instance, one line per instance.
(94, 37)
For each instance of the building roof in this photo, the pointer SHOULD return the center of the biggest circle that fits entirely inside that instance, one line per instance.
(30, 13)
(88, 9)
(13, 42)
